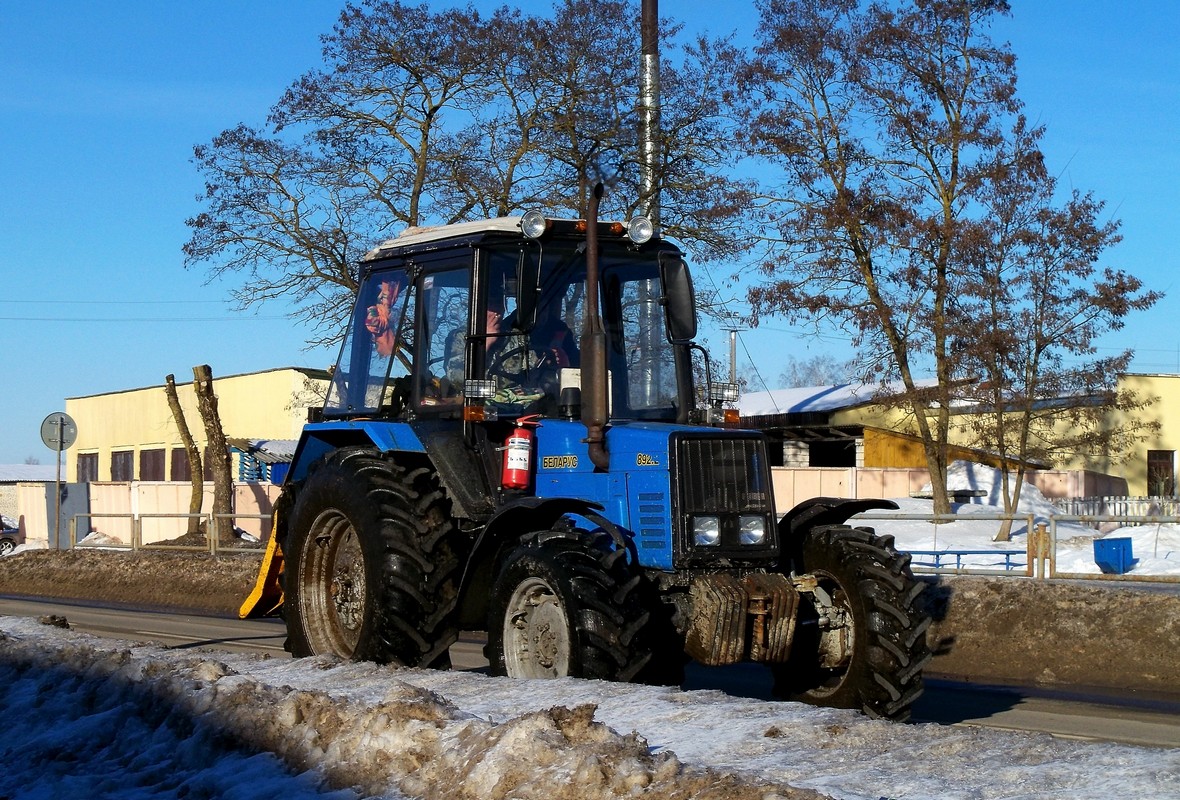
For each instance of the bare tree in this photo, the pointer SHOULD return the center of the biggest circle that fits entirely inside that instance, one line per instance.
(420, 116)
(819, 370)
(286, 219)
(1028, 326)
(886, 121)
(217, 454)
(196, 475)
(353, 153)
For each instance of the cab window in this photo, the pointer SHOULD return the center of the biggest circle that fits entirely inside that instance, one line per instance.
(446, 307)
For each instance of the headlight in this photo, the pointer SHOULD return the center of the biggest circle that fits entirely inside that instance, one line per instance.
(724, 392)
(533, 224)
(640, 230)
(706, 531)
(753, 529)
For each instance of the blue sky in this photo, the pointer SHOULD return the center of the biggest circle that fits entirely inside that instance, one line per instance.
(101, 104)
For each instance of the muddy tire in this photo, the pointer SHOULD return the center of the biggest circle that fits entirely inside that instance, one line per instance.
(861, 639)
(565, 604)
(372, 563)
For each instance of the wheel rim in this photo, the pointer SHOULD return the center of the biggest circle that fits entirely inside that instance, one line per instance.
(837, 634)
(332, 585)
(536, 632)
(6, 546)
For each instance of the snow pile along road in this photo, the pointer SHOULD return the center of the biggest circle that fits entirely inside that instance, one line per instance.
(90, 718)
(98, 718)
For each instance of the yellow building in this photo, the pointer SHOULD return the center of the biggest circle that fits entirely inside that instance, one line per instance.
(1148, 464)
(132, 435)
(843, 426)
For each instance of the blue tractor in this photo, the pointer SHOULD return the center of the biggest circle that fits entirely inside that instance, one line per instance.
(479, 466)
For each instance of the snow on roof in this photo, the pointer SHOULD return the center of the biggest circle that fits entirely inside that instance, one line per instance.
(15, 473)
(430, 233)
(805, 399)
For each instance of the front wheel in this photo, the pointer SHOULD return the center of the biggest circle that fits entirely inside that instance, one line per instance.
(6, 546)
(564, 606)
(860, 641)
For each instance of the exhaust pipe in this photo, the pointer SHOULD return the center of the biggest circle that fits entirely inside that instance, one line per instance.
(593, 345)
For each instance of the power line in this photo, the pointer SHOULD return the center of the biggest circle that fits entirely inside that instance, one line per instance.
(75, 319)
(117, 302)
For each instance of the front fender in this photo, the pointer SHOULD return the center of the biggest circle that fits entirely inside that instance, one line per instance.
(820, 511)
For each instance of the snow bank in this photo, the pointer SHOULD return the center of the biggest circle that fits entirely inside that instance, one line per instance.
(98, 718)
(94, 718)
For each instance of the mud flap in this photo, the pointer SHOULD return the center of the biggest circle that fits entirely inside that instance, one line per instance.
(267, 596)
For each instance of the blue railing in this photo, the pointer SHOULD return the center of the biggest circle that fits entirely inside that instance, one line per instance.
(938, 557)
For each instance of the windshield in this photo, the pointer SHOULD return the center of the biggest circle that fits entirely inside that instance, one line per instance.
(532, 361)
(374, 365)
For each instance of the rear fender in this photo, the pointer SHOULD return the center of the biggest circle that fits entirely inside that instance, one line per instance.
(321, 438)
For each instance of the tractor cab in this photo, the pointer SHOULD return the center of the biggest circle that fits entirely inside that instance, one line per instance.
(482, 322)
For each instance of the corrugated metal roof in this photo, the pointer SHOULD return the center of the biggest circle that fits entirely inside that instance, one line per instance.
(267, 451)
(15, 473)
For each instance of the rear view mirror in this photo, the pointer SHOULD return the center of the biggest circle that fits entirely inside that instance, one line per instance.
(679, 302)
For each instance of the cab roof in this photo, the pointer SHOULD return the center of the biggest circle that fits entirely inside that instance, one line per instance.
(436, 233)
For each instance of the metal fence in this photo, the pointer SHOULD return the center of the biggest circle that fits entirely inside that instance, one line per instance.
(1090, 509)
(1038, 559)
(202, 542)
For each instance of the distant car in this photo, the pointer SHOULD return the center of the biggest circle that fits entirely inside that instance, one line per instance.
(10, 536)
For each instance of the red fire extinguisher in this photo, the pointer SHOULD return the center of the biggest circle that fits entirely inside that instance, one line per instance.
(518, 455)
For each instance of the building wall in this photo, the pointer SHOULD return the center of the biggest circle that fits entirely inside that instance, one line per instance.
(259, 405)
(8, 504)
(888, 441)
(1130, 462)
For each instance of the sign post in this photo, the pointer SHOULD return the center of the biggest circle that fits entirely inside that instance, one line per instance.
(58, 432)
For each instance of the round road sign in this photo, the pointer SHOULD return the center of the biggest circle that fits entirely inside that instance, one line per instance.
(58, 431)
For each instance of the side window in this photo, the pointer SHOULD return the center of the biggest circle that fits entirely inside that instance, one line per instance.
(446, 306)
(376, 358)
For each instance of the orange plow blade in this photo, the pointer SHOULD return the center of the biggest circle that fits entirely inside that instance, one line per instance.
(267, 596)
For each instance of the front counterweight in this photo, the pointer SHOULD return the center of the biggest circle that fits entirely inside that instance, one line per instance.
(738, 619)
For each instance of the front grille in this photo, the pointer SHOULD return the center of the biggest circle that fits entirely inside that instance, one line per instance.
(724, 475)
(721, 481)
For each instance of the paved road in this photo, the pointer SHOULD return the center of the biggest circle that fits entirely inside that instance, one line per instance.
(1150, 721)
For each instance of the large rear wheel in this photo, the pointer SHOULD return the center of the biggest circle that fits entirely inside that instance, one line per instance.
(372, 563)
(861, 640)
(564, 604)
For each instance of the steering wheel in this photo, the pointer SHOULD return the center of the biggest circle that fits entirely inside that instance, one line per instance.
(497, 365)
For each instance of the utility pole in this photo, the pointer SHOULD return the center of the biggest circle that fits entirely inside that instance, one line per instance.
(649, 110)
(649, 188)
(733, 329)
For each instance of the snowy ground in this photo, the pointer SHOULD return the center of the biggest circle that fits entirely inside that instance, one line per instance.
(1156, 547)
(96, 718)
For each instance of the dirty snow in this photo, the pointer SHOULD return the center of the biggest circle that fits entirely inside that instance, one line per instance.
(98, 718)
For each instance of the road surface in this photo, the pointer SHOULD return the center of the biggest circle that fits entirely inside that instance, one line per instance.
(1149, 721)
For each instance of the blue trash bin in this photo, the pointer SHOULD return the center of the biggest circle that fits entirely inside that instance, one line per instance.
(1113, 556)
